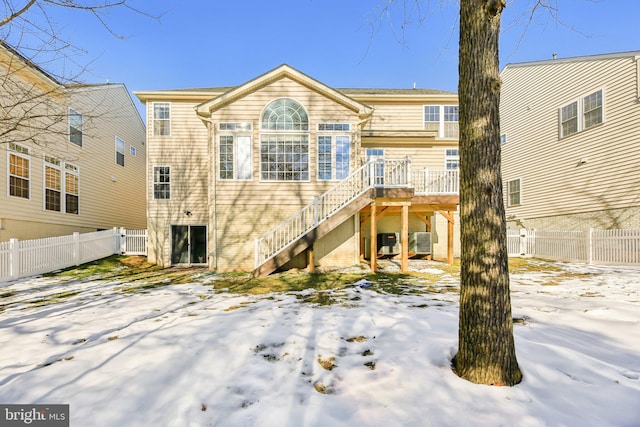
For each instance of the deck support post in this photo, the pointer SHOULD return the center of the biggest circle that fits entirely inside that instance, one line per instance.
(311, 262)
(404, 266)
(373, 243)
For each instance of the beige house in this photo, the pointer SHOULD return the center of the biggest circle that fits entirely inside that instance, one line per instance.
(284, 171)
(72, 157)
(571, 142)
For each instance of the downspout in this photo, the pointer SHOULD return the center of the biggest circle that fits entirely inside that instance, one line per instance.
(212, 190)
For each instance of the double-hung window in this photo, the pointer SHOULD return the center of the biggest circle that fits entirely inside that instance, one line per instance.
(582, 114)
(120, 145)
(52, 184)
(514, 192)
(451, 158)
(284, 142)
(334, 151)
(161, 182)
(443, 119)
(19, 171)
(161, 119)
(234, 151)
(71, 189)
(75, 127)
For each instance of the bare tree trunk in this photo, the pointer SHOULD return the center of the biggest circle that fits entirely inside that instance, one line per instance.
(486, 351)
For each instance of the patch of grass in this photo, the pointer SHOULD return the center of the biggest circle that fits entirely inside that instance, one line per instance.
(328, 364)
(526, 265)
(52, 299)
(323, 389)
(357, 339)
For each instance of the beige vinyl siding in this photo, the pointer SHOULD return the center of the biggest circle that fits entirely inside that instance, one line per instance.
(109, 195)
(554, 181)
(239, 211)
(185, 153)
(246, 210)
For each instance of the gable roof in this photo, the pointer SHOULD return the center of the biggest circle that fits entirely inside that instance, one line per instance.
(633, 53)
(278, 73)
(13, 54)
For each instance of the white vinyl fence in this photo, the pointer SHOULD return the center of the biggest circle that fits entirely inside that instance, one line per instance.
(22, 258)
(590, 246)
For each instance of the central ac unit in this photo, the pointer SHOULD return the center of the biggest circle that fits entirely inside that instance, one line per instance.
(420, 243)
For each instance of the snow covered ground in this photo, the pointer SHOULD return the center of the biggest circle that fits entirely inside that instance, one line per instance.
(188, 355)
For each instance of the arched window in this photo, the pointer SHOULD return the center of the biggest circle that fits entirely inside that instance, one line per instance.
(285, 114)
(284, 142)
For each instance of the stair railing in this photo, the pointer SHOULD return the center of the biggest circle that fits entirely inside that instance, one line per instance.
(377, 172)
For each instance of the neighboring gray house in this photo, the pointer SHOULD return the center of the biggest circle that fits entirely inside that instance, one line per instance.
(571, 142)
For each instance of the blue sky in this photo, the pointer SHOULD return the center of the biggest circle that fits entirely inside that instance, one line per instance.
(204, 43)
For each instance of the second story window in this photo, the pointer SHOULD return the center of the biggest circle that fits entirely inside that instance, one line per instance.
(514, 192)
(120, 151)
(284, 142)
(443, 119)
(334, 151)
(75, 127)
(234, 151)
(161, 119)
(582, 114)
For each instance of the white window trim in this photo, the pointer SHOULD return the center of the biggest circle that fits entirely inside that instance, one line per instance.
(580, 107)
(509, 204)
(133, 151)
(235, 135)
(26, 156)
(74, 112)
(153, 119)
(124, 150)
(334, 135)
(60, 167)
(448, 157)
(293, 132)
(70, 169)
(441, 121)
(153, 182)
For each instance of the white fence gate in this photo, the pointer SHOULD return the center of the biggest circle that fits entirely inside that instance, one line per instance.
(22, 258)
(590, 246)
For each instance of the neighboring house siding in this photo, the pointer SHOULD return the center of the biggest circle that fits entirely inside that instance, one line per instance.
(593, 172)
(108, 195)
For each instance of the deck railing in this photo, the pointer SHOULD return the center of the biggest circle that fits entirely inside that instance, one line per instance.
(376, 173)
(428, 181)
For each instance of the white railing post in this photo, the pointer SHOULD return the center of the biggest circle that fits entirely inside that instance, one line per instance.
(590, 245)
(76, 248)
(408, 174)
(523, 242)
(256, 252)
(14, 258)
(120, 240)
(316, 213)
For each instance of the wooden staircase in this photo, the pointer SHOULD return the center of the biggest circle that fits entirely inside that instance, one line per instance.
(300, 231)
(306, 240)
